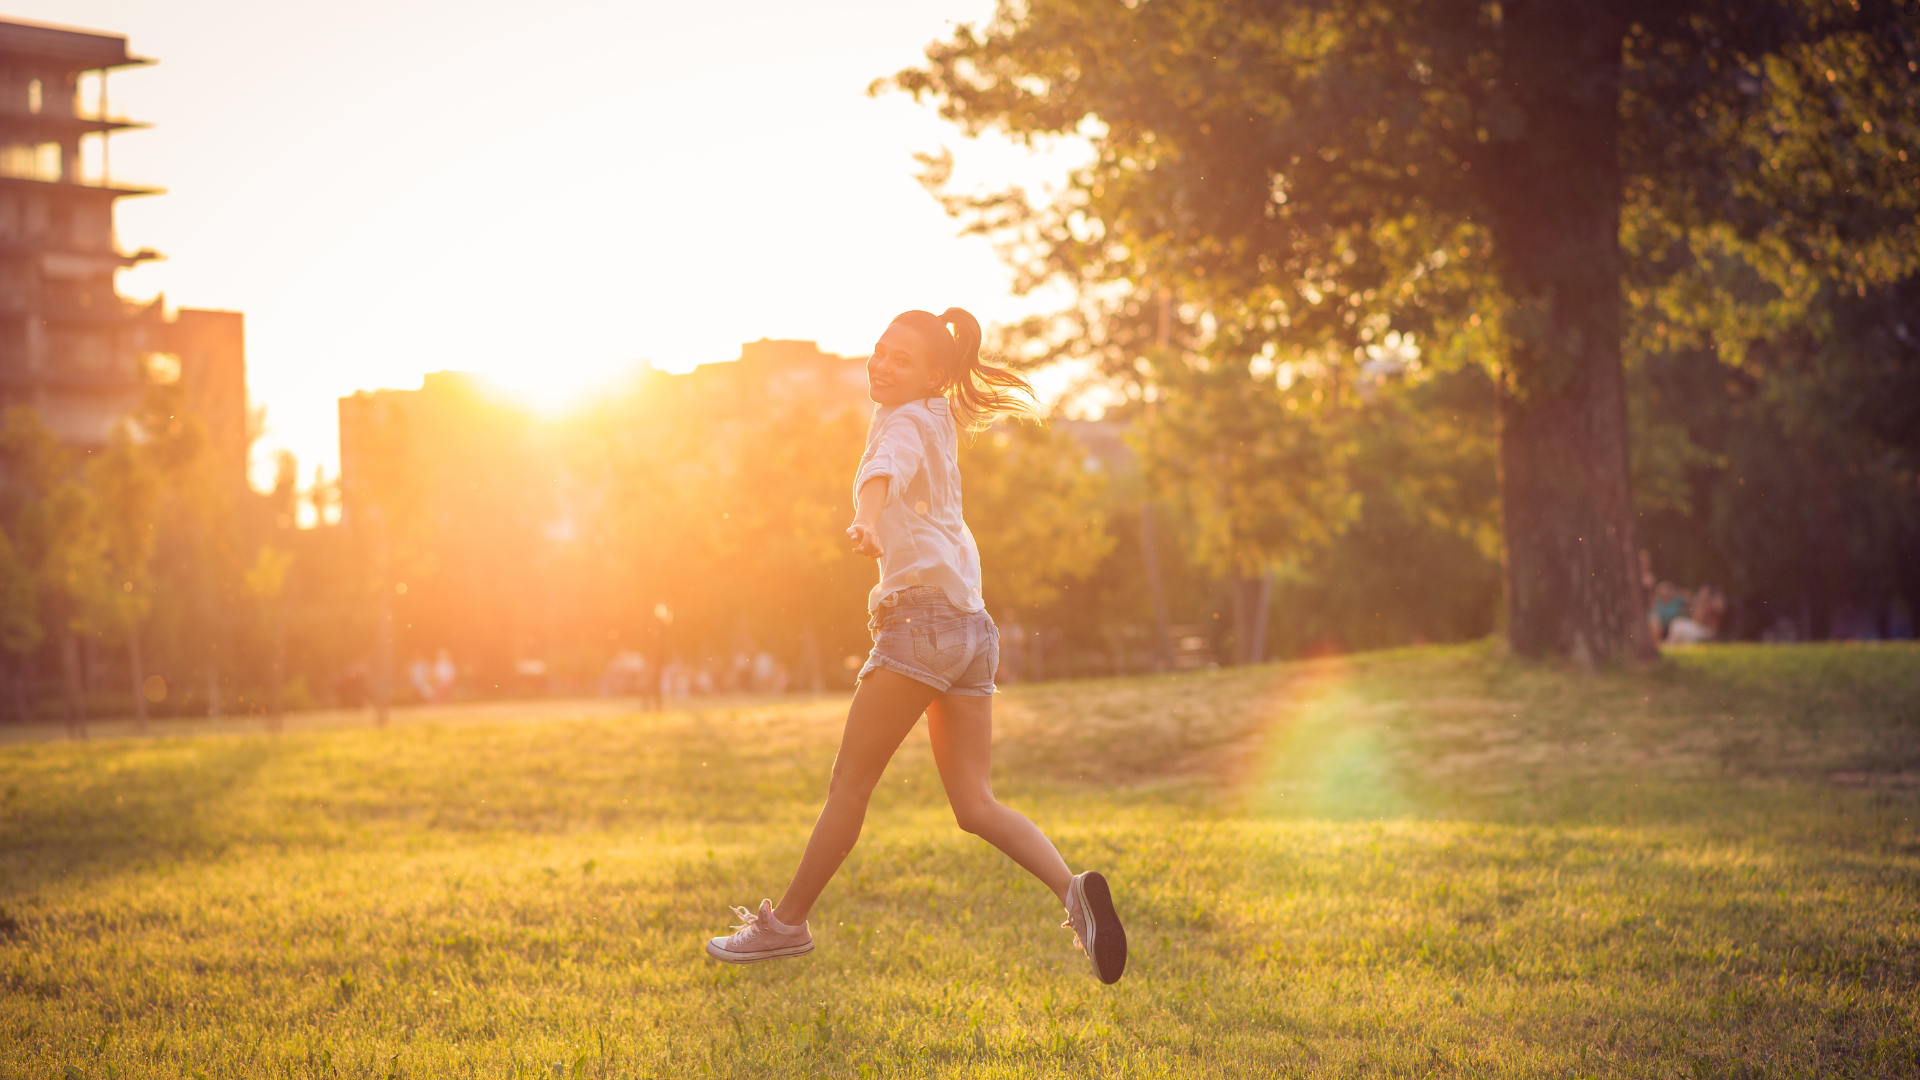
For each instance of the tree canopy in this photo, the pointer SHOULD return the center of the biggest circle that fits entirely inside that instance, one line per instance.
(1537, 189)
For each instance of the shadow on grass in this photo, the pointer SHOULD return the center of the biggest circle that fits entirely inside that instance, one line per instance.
(95, 813)
(71, 813)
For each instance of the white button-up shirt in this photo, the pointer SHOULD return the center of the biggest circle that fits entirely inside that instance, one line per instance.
(924, 539)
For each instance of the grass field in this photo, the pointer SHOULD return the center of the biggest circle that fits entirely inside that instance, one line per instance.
(1423, 863)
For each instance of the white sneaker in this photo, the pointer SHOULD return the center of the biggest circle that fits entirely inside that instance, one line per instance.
(1096, 926)
(760, 937)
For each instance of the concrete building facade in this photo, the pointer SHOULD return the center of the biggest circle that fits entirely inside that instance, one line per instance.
(70, 346)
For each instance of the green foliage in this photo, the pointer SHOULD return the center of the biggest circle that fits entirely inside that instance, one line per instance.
(267, 577)
(1319, 166)
(1036, 509)
(20, 630)
(1792, 477)
(729, 512)
(1321, 178)
(1399, 864)
(1772, 165)
(1257, 468)
(126, 489)
(49, 515)
(1421, 561)
(201, 523)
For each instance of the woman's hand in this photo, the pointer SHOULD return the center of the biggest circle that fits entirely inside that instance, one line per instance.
(865, 530)
(866, 540)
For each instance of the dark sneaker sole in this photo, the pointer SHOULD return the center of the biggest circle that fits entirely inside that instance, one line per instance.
(1109, 937)
(755, 957)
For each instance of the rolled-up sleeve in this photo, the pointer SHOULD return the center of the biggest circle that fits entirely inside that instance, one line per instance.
(897, 454)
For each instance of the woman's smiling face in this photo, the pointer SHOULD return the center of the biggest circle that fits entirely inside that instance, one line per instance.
(904, 367)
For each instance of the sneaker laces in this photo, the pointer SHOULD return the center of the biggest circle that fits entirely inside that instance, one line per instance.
(750, 923)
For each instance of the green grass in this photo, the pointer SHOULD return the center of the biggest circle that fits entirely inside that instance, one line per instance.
(1423, 863)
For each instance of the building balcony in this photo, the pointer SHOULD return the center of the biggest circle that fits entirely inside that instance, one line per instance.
(91, 185)
(68, 259)
(19, 126)
(65, 48)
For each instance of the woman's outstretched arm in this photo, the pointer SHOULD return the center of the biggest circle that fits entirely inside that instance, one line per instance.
(865, 530)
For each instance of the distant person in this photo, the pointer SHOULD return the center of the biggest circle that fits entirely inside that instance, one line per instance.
(673, 680)
(1702, 621)
(934, 647)
(420, 677)
(625, 674)
(444, 674)
(768, 677)
(1669, 603)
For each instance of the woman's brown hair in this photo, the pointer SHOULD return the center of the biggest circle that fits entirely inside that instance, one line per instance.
(975, 391)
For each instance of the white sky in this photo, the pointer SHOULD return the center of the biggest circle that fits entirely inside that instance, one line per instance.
(551, 194)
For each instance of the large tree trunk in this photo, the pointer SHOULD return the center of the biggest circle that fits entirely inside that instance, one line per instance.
(1552, 173)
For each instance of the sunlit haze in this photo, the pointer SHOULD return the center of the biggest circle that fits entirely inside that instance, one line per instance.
(551, 195)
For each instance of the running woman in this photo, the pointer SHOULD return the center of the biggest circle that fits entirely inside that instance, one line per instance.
(934, 647)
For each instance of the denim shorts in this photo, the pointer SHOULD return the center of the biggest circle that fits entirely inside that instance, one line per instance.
(920, 634)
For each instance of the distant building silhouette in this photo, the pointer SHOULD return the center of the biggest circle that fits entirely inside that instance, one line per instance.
(776, 371)
(70, 346)
(392, 442)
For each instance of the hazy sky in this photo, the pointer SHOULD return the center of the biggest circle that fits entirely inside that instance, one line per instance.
(551, 194)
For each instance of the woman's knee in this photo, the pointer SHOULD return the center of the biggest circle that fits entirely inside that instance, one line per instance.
(847, 785)
(974, 815)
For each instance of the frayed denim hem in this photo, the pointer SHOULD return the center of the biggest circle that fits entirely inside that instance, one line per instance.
(914, 673)
(875, 661)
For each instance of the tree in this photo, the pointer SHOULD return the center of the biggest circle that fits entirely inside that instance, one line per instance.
(1259, 469)
(722, 498)
(382, 496)
(1793, 476)
(790, 510)
(126, 493)
(20, 629)
(1421, 560)
(266, 580)
(49, 516)
(1035, 509)
(1486, 176)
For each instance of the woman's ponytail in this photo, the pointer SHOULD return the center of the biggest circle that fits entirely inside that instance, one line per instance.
(976, 392)
(966, 337)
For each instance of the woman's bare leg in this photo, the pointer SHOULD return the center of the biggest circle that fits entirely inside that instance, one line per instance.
(961, 728)
(885, 708)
